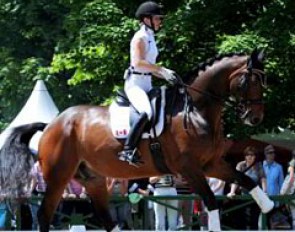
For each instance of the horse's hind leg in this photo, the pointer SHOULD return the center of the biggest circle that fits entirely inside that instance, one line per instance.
(48, 206)
(198, 182)
(97, 191)
(59, 163)
(227, 173)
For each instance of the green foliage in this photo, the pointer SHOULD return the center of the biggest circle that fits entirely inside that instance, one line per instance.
(81, 49)
(101, 45)
(242, 42)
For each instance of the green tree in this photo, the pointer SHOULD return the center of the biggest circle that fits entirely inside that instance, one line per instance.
(81, 48)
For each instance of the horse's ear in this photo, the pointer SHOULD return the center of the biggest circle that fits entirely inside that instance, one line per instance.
(254, 54)
(256, 59)
(250, 63)
(260, 55)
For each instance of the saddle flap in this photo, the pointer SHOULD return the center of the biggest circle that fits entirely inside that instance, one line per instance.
(123, 114)
(122, 99)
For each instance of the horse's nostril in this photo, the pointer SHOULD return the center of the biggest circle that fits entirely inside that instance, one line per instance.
(255, 120)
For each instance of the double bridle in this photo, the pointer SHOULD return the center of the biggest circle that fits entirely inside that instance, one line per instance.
(244, 101)
(241, 106)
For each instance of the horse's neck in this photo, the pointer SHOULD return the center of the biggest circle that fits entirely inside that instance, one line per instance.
(214, 88)
(213, 116)
(214, 82)
(210, 102)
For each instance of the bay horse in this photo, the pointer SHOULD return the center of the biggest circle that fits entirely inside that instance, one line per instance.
(79, 142)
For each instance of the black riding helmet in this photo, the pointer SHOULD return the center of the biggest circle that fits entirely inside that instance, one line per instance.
(148, 9)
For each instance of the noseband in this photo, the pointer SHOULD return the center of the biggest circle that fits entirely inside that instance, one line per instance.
(242, 109)
(244, 84)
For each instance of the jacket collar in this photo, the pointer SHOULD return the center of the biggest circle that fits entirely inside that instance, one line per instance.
(147, 29)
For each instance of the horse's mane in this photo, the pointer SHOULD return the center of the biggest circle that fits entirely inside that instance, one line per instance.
(193, 74)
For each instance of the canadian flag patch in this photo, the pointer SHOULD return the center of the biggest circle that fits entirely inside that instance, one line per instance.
(122, 132)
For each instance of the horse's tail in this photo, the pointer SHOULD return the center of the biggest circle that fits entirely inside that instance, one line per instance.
(16, 161)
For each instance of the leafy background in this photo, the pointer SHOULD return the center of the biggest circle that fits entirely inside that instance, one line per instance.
(81, 48)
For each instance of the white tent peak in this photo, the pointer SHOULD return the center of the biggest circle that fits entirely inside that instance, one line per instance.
(38, 108)
(40, 86)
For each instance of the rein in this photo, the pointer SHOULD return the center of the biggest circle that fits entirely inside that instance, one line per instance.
(206, 93)
(258, 72)
(188, 106)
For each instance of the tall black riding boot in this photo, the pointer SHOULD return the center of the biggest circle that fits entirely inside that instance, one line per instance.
(129, 152)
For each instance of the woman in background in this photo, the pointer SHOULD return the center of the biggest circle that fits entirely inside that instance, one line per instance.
(255, 171)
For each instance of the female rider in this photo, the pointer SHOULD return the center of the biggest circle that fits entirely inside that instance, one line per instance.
(143, 54)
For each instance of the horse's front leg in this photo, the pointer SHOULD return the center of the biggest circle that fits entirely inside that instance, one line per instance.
(261, 198)
(198, 182)
(227, 173)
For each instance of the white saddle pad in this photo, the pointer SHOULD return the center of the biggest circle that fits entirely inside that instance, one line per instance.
(120, 123)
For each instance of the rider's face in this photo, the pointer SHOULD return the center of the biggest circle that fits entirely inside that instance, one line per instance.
(157, 20)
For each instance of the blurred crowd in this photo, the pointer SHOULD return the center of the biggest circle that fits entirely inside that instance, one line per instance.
(170, 214)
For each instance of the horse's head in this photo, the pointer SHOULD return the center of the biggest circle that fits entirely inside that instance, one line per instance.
(246, 85)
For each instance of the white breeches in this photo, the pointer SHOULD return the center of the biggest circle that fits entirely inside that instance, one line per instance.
(160, 210)
(136, 88)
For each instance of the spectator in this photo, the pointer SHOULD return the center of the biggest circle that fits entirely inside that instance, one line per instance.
(3, 214)
(185, 206)
(288, 186)
(274, 179)
(164, 186)
(75, 190)
(252, 168)
(199, 217)
(144, 188)
(273, 171)
(26, 220)
(74, 201)
(38, 188)
(120, 210)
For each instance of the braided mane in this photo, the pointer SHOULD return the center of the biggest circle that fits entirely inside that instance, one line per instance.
(193, 74)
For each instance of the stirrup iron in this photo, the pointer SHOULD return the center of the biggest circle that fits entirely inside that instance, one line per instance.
(131, 156)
